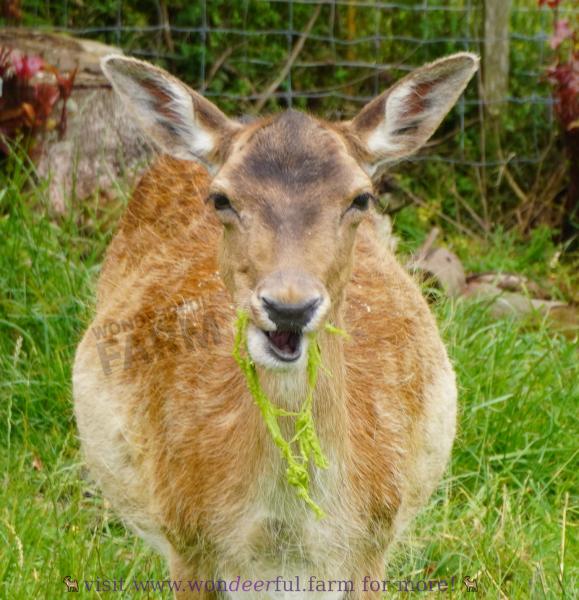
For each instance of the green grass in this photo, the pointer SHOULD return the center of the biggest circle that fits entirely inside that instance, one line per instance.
(506, 512)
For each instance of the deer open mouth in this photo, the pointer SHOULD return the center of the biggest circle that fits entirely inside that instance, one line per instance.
(285, 345)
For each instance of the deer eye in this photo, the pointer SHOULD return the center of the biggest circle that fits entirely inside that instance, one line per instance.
(220, 201)
(362, 201)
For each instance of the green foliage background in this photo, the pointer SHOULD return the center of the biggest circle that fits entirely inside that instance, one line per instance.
(232, 50)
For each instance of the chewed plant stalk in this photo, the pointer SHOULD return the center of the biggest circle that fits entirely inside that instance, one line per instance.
(305, 436)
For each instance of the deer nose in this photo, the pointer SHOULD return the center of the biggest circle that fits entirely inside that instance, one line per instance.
(290, 316)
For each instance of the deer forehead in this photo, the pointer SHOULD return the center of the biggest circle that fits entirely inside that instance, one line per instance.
(289, 161)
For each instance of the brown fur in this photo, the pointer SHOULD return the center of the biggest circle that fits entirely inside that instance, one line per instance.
(167, 423)
(165, 251)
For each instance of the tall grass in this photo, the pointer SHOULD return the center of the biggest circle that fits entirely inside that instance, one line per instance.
(506, 512)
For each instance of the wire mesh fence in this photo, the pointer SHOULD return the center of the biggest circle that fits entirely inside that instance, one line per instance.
(330, 57)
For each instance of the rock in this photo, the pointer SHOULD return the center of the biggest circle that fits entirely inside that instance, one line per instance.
(444, 267)
(102, 144)
(509, 282)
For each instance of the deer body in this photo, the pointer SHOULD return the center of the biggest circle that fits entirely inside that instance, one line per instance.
(167, 424)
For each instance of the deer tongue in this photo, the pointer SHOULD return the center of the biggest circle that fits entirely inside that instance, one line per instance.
(284, 341)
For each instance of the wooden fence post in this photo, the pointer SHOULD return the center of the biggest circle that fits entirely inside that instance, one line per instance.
(496, 54)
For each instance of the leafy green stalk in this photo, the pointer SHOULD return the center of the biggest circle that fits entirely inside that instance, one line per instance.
(297, 473)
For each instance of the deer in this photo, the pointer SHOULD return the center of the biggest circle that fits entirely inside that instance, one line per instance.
(71, 584)
(470, 584)
(276, 217)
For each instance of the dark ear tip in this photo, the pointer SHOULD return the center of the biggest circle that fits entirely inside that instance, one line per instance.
(118, 63)
(111, 62)
(465, 59)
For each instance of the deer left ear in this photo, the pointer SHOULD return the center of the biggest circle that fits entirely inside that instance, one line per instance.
(176, 118)
(399, 121)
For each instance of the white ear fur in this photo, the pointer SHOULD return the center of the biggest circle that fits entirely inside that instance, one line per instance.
(400, 121)
(169, 113)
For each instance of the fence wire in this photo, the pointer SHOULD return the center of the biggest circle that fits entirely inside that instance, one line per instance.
(334, 55)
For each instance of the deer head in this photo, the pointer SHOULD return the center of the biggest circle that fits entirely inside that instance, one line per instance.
(289, 189)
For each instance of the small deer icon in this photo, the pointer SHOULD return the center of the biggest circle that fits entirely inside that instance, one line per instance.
(71, 584)
(471, 584)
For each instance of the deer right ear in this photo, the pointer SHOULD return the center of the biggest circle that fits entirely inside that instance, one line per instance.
(402, 119)
(180, 121)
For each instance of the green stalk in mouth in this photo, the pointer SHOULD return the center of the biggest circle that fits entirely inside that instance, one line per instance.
(305, 435)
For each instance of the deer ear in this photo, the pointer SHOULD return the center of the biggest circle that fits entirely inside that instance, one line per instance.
(180, 121)
(399, 121)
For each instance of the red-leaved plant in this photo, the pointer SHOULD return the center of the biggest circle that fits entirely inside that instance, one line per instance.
(27, 102)
(564, 76)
